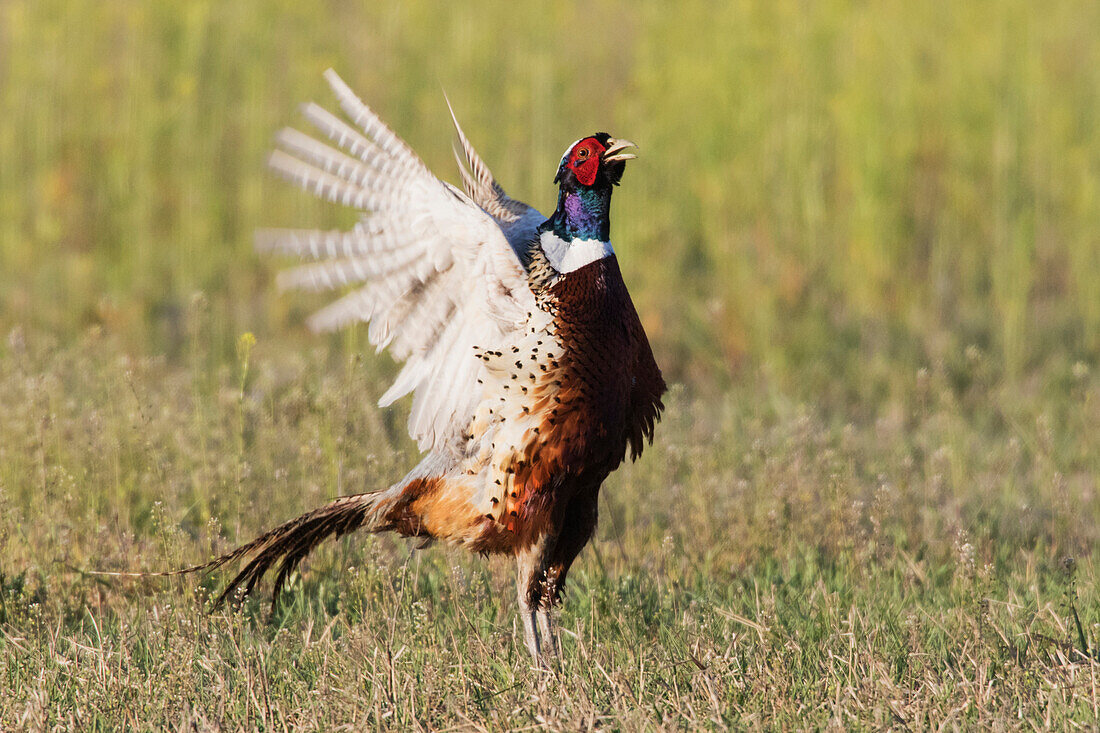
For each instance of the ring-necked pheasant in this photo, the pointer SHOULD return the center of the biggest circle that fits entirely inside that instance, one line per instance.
(531, 374)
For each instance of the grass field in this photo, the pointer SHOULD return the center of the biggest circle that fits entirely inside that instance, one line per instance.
(864, 238)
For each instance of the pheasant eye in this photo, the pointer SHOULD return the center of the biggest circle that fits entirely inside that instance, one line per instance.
(582, 154)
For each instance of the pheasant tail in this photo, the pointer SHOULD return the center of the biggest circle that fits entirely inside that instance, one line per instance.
(289, 543)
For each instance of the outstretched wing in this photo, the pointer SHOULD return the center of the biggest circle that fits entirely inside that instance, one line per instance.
(434, 274)
(517, 220)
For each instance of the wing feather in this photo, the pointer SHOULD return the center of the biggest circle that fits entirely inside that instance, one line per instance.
(317, 245)
(435, 270)
(517, 220)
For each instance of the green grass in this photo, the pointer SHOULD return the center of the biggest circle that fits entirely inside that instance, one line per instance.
(863, 238)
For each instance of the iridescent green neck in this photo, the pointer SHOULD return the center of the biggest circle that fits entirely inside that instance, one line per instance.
(582, 213)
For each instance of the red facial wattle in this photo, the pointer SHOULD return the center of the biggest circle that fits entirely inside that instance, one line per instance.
(584, 160)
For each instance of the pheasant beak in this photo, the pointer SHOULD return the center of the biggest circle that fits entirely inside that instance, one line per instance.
(615, 151)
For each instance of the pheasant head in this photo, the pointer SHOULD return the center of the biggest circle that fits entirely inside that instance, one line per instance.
(587, 172)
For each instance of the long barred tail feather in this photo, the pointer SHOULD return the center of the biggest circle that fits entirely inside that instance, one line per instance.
(288, 544)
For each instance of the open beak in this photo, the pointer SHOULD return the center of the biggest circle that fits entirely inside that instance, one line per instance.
(615, 150)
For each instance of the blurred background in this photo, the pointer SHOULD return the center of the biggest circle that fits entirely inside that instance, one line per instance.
(829, 196)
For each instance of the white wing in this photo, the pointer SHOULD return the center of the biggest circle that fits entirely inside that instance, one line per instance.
(436, 277)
